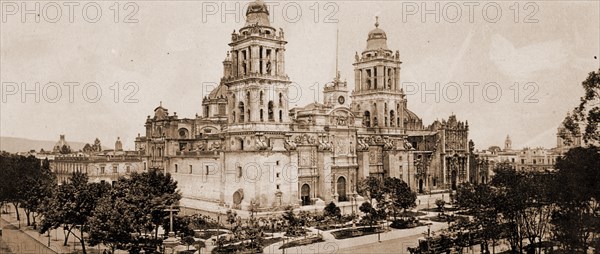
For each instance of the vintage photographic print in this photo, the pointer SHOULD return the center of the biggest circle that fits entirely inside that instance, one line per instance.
(309, 126)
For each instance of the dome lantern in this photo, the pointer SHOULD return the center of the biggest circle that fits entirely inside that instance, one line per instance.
(377, 38)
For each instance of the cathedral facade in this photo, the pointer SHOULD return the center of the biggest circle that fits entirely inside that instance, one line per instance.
(249, 149)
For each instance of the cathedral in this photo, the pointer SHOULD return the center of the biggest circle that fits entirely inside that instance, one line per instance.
(248, 148)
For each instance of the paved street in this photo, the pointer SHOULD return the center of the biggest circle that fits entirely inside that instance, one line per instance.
(4, 248)
(398, 246)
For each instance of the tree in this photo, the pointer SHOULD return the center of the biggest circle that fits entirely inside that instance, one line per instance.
(235, 224)
(510, 202)
(481, 202)
(577, 195)
(187, 241)
(200, 245)
(38, 188)
(371, 214)
(139, 202)
(399, 195)
(440, 203)
(371, 187)
(20, 184)
(587, 114)
(112, 224)
(72, 205)
(293, 223)
(527, 206)
(332, 211)
(254, 232)
(535, 217)
(181, 225)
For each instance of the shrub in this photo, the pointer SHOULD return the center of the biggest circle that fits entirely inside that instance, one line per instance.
(405, 223)
(440, 203)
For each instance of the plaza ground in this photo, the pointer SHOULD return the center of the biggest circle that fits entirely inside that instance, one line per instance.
(393, 241)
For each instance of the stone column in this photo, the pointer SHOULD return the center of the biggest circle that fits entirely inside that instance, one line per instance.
(384, 82)
(380, 77)
(357, 80)
(397, 78)
(363, 79)
(234, 64)
(393, 79)
(282, 52)
(263, 59)
(381, 113)
(240, 62)
(277, 62)
(255, 59)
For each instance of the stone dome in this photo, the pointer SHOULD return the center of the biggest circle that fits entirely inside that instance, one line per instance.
(377, 39)
(257, 13)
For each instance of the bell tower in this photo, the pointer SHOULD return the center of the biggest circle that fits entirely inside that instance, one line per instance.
(507, 143)
(255, 72)
(336, 93)
(378, 96)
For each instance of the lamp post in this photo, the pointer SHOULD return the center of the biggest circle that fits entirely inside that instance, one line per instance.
(429, 230)
(171, 241)
(218, 226)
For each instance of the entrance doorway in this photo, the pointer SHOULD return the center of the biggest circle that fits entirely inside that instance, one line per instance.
(305, 194)
(453, 176)
(341, 189)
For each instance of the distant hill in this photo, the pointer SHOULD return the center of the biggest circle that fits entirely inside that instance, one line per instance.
(13, 145)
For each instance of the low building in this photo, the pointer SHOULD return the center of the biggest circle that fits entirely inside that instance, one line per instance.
(100, 165)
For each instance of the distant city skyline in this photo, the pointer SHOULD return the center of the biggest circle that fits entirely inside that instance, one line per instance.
(170, 59)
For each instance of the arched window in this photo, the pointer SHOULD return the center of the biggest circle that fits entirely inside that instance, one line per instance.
(367, 119)
(248, 97)
(262, 119)
(280, 116)
(280, 99)
(262, 96)
(392, 117)
(233, 117)
(241, 108)
(249, 119)
(375, 110)
(270, 111)
(222, 109)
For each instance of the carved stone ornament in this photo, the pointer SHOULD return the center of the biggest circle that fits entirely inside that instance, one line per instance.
(260, 144)
(289, 145)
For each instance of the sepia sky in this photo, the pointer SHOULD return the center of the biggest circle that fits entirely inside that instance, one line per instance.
(507, 67)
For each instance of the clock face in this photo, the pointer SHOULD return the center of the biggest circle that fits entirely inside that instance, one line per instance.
(341, 99)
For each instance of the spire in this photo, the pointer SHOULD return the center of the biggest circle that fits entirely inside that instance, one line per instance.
(376, 21)
(337, 44)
